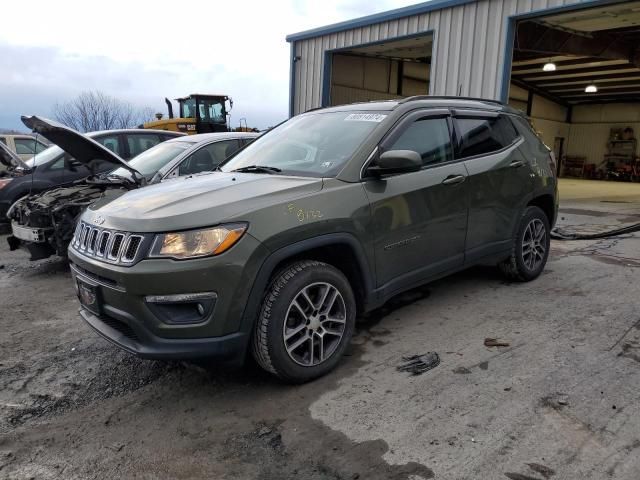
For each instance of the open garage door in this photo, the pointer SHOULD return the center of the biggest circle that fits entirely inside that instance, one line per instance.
(381, 71)
(577, 75)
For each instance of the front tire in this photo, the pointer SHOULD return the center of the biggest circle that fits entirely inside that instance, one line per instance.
(530, 249)
(306, 322)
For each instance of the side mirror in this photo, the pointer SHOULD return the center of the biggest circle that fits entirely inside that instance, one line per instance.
(396, 161)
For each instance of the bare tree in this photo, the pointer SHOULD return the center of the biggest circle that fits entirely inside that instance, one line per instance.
(92, 111)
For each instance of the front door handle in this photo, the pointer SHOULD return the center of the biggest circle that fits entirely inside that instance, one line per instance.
(453, 179)
(516, 164)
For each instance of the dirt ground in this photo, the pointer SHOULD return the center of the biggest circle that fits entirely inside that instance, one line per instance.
(560, 402)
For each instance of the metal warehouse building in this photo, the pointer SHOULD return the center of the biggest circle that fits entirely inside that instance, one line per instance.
(572, 65)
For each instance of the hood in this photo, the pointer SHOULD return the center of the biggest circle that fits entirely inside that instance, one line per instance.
(10, 159)
(81, 147)
(199, 202)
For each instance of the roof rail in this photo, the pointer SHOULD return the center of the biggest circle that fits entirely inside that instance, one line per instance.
(449, 97)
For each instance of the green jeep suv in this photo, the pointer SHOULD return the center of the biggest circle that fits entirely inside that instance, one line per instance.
(323, 218)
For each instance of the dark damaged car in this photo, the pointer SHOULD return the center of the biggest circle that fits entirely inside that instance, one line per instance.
(44, 223)
(55, 167)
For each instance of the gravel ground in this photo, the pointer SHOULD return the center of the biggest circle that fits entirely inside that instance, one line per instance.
(559, 402)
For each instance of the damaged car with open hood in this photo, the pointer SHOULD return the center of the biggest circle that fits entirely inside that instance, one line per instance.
(55, 167)
(44, 223)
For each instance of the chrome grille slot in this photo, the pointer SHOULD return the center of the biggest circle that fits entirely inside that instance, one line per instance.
(116, 245)
(103, 242)
(85, 237)
(76, 233)
(93, 236)
(131, 248)
(82, 234)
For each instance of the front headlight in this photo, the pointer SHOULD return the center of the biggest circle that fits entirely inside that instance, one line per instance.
(4, 182)
(197, 243)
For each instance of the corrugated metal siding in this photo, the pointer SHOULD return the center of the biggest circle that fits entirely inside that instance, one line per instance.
(468, 47)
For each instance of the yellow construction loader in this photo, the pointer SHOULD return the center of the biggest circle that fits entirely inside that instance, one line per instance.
(199, 113)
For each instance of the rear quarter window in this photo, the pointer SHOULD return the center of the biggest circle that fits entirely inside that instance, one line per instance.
(483, 136)
(526, 130)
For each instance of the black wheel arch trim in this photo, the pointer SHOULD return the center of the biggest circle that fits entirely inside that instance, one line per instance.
(269, 265)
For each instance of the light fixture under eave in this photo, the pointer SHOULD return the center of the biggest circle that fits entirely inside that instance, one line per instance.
(591, 89)
(549, 67)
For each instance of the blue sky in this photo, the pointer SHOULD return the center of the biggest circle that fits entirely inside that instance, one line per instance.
(143, 51)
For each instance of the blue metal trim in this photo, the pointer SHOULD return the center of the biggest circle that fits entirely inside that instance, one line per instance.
(292, 80)
(511, 32)
(378, 18)
(328, 60)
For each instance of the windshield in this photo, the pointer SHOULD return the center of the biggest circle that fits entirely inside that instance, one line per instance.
(149, 162)
(315, 145)
(45, 156)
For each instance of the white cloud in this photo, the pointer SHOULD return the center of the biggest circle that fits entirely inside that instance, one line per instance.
(144, 51)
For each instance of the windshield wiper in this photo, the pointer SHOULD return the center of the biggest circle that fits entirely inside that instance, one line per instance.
(257, 168)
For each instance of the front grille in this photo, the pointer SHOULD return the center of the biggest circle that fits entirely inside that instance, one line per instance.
(107, 245)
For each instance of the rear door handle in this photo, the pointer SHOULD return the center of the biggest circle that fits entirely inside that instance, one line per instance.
(453, 179)
(516, 164)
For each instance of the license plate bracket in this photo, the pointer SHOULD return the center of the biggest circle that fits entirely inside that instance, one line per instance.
(89, 296)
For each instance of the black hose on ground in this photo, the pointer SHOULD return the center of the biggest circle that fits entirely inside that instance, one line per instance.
(558, 234)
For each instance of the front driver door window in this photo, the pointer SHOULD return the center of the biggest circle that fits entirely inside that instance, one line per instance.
(419, 222)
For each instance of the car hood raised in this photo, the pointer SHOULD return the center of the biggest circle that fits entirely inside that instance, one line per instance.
(81, 147)
(10, 159)
(201, 201)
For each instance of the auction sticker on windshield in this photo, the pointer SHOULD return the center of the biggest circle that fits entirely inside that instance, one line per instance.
(365, 117)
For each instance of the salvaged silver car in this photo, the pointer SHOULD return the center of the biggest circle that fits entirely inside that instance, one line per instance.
(44, 223)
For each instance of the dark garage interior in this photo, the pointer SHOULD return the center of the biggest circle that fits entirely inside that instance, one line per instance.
(577, 74)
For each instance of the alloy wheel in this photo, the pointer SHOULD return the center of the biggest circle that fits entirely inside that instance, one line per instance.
(314, 324)
(534, 244)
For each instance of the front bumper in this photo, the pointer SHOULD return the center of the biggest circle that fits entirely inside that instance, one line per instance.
(33, 239)
(127, 320)
(227, 348)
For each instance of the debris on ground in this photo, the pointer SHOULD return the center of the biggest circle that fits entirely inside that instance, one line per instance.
(494, 342)
(461, 370)
(569, 233)
(543, 470)
(418, 364)
(557, 401)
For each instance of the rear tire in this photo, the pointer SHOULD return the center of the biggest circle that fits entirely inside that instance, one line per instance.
(530, 249)
(306, 322)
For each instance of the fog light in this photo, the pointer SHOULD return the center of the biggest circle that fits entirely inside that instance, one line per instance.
(182, 308)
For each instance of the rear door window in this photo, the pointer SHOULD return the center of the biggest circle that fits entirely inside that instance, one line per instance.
(3, 140)
(112, 142)
(483, 136)
(430, 137)
(28, 146)
(139, 143)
